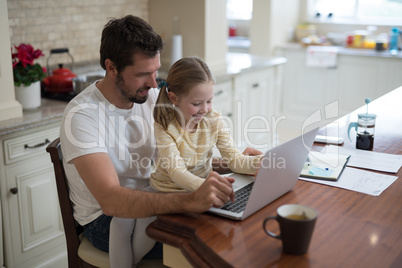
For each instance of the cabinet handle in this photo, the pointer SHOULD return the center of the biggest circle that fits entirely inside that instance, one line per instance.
(26, 146)
(255, 85)
(14, 190)
(219, 92)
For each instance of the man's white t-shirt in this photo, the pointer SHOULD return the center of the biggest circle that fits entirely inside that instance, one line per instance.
(91, 124)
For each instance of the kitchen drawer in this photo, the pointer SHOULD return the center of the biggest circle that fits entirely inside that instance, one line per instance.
(29, 145)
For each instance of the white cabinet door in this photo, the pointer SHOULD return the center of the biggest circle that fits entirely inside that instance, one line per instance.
(358, 78)
(393, 75)
(366, 77)
(254, 105)
(223, 98)
(306, 89)
(34, 215)
(32, 226)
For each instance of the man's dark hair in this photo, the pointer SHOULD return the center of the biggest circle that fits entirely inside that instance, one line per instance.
(121, 38)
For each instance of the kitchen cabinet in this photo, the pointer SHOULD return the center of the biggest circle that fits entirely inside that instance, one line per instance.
(249, 96)
(306, 89)
(254, 106)
(248, 102)
(32, 226)
(365, 77)
(343, 88)
(357, 80)
(223, 96)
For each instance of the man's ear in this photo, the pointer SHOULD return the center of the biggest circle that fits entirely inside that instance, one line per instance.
(111, 68)
(173, 98)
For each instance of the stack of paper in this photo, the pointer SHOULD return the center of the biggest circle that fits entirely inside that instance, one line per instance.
(360, 180)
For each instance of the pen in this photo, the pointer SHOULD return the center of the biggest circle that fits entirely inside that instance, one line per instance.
(317, 166)
(310, 164)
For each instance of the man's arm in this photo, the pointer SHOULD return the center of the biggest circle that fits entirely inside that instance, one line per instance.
(98, 173)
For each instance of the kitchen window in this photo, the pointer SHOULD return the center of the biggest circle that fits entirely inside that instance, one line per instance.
(380, 12)
(239, 9)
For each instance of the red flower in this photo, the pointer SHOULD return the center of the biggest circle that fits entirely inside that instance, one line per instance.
(25, 55)
(24, 70)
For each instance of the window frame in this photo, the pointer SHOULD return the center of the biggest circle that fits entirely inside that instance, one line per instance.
(311, 11)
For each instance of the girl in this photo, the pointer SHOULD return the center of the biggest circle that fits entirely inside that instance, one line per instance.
(187, 128)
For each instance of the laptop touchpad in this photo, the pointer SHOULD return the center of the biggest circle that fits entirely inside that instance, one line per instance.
(240, 180)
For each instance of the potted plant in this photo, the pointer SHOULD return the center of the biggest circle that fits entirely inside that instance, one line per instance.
(27, 75)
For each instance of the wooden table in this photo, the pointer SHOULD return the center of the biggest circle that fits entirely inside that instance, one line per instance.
(353, 229)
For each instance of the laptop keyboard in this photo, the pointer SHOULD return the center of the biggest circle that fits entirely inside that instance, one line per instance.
(242, 196)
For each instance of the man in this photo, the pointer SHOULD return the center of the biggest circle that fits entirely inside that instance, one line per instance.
(108, 143)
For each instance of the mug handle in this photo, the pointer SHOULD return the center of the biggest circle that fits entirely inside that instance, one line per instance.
(268, 232)
(353, 124)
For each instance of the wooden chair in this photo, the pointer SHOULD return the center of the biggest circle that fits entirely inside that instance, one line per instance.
(80, 251)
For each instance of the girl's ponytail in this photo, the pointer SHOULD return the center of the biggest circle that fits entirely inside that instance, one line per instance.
(164, 110)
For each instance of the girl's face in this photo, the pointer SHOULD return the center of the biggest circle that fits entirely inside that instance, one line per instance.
(195, 105)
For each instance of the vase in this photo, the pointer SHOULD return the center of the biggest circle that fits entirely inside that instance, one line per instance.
(29, 97)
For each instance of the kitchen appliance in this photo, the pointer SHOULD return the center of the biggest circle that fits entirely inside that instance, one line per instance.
(364, 127)
(59, 80)
(81, 82)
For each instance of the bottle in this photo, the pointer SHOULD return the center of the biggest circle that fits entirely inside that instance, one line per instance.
(369, 42)
(393, 41)
(232, 30)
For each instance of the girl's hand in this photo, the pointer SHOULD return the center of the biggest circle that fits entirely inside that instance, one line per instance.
(252, 151)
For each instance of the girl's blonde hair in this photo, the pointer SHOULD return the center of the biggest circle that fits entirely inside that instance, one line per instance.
(182, 76)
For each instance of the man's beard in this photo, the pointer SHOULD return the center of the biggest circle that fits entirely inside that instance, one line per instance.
(125, 91)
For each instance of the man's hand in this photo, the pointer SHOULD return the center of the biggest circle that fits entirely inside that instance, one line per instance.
(214, 192)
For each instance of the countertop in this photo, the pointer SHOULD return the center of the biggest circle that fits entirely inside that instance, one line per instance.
(51, 111)
(349, 51)
(244, 62)
(236, 63)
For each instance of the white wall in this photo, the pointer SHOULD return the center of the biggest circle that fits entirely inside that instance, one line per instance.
(272, 23)
(9, 107)
(202, 24)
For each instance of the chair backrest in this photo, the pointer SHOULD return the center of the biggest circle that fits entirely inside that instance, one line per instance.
(71, 229)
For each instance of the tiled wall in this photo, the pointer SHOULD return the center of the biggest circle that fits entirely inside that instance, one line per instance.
(75, 24)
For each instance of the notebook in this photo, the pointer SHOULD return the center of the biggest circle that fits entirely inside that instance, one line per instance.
(278, 174)
(324, 166)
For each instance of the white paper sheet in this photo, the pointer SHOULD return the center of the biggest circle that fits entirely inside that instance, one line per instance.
(369, 159)
(360, 181)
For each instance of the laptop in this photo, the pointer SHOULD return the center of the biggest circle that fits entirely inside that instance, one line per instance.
(278, 174)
